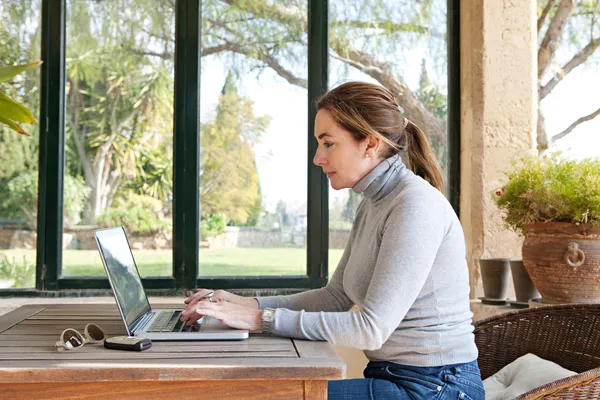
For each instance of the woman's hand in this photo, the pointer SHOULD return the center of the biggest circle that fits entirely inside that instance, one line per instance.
(221, 295)
(231, 314)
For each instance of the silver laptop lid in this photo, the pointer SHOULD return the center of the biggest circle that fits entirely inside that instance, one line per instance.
(123, 274)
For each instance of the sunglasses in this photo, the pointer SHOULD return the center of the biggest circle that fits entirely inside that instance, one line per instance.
(71, 339)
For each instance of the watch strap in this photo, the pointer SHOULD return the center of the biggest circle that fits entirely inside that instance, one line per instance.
(267, 321)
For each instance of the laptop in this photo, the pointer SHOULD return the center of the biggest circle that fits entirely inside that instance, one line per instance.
(139, 318)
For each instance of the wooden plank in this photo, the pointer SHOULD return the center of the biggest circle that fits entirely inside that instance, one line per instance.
(40, 336)
(45, 317)
(14, 317)
(44, 320)
(315, 390)
(55, 330)
(49, 340)
(121, 355)
(182, 369)
(135, 390)
(91, 350)
(310, 349)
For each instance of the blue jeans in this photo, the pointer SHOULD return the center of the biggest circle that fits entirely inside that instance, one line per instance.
(386, 380)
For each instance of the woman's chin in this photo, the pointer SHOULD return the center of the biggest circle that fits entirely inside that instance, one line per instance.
(337, 185)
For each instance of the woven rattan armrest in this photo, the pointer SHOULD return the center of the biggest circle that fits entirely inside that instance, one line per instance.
(581, 386)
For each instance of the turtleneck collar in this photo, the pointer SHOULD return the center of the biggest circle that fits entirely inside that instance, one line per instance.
(375, 183)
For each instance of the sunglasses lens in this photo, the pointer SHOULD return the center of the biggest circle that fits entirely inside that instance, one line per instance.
(73, 337)
(95, 332)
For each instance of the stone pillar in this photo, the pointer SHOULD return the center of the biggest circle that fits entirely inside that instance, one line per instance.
(498, 117)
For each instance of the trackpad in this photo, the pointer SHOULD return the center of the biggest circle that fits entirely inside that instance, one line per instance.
(213, 324)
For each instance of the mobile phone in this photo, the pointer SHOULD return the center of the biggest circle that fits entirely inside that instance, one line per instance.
(131, 343)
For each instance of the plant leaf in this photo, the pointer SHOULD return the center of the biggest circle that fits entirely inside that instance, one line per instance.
(7, 73)
(13, 125)
(15, 111)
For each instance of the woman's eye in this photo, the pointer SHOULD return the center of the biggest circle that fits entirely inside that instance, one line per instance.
(328, 144)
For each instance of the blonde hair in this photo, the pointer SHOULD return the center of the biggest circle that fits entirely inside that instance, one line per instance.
(370, 111)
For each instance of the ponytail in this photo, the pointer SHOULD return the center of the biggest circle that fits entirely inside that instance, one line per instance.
(421, 158)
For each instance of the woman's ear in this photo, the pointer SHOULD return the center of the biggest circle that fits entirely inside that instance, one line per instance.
(373, 145)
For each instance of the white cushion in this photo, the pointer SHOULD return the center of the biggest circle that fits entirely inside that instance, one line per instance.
(522, 375)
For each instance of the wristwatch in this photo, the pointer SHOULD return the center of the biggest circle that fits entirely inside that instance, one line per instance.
(267, 320)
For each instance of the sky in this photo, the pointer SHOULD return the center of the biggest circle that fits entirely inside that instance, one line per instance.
(571, 99)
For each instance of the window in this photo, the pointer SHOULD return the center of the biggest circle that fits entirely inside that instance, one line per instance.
(191, 124)
(253, 140)
(119, 131)
(20, 44)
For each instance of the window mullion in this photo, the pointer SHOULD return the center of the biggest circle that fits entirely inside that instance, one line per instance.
(52, 144)
(186, 181)
(318, 199)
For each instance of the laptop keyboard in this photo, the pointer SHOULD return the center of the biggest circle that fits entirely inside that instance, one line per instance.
(166, 322)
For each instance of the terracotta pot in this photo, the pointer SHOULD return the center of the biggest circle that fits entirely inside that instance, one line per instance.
(494, 276)
(563, 261)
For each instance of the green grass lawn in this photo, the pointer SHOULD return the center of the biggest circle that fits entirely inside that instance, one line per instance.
(219, 262)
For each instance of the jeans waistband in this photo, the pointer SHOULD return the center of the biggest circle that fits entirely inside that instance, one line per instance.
(471, 366)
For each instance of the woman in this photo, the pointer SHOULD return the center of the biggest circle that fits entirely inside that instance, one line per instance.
(403, 268)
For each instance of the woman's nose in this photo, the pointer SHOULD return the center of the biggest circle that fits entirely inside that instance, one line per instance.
(318, 159)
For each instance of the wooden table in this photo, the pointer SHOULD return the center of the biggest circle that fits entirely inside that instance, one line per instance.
(258, 368)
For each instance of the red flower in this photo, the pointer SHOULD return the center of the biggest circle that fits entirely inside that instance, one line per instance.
(498, 192)
(584, 233)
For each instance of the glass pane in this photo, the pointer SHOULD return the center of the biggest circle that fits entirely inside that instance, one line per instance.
(253, 138)
(20, 43)
(401, 45)
(119, 128)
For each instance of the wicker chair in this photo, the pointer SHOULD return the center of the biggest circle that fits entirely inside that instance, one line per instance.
(568, 335)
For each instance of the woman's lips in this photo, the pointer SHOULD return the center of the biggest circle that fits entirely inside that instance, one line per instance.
(330, 174)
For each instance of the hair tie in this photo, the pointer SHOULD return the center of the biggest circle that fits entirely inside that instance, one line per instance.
(405, 122)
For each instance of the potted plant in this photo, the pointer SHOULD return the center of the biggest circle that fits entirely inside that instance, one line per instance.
(555, 204)
(11, 112)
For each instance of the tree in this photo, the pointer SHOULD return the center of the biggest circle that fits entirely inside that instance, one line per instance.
(260, 34)
(228, 176)
(569, 35)
(119, 103)
(20, 43)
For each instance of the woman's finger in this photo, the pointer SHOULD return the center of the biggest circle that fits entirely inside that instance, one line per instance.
(195, 296)
(192, 313)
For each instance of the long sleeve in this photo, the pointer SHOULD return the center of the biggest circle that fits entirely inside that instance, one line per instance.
(411, 235)
(329, 298)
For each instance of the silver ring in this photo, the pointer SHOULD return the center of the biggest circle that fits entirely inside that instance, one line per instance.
(208, 296)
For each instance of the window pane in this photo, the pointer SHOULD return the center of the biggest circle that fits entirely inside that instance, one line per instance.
(401, 45)
(253, 138)
(119, 124)
(20, 43)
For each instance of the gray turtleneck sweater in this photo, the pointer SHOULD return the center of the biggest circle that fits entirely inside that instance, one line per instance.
(404, 268)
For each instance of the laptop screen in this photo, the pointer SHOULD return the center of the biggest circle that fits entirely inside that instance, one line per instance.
(122, 273)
